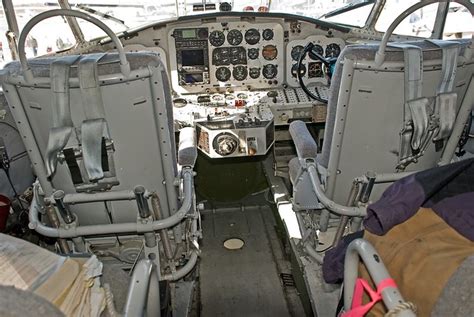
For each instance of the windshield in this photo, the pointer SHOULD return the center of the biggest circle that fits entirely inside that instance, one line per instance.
(120, 15)
(309, 8)
(53, 34)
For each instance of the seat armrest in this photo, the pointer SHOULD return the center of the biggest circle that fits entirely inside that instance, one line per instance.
(306, 147)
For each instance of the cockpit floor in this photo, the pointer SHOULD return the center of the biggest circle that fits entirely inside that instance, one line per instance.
(244, 282)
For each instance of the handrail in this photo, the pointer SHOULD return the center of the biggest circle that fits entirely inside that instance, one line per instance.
(378, 272)
(138, 227)
(328, 203)
(124, 65)
(380, 55)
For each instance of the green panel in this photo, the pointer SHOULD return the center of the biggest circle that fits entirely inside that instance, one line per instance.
(228, 179)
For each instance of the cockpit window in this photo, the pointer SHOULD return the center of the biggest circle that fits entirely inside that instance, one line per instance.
(53, 34)
(350, 12)
(459, 22)
(420, 23)
(354, 13)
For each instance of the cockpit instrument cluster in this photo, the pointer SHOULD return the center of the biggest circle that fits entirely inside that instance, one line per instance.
(250, 53)
(312, 70)
(223, 55)
(192, 56)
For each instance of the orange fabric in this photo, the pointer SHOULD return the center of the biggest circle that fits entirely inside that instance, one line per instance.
(420, 254)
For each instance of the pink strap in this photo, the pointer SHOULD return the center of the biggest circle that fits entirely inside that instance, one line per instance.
(359, 310)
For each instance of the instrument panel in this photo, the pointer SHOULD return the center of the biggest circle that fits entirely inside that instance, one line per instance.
(312, 69)
(223, 55)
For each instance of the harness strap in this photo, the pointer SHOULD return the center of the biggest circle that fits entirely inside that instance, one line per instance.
(419, 116)
(413, 57)
(412, 135)
(62, 125)
(450, 61)
(361, 286)
(94, 128)
(446, 99)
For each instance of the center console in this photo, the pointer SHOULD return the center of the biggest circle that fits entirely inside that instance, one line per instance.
(236, 81)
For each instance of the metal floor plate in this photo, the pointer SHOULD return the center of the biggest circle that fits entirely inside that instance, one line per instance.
(242, 282)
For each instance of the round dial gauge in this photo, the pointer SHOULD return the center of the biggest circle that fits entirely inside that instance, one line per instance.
(252, 36)
(254, 72)
(296, 52)
(234, 37)
(242, 96)
(267, 34)
(269, 52)
(225, 7)
(333, 50)
(225, 143)
(252, 53)
(240, 72)
(237, 55)
(223, 74)
(216, 38)
(318, 49)
(294, 69)
(315, 69)
(220, 56)
(217, 97)
(270, 71)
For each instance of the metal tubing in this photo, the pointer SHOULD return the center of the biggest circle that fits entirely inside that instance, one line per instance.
(155, 205)
(150, 239)
(142, 203)
(53, 218)
(11, 39)
(328, 203)
(380, 55)
(377, 270)
(184, 270)
(138, 291)
(356, 224)
(11, 17)
(79, 198)
(64, 211)
(368, 186)
(124, 65)
(29, 139)
(13, 32)
(345, 219)
(314, 254)
(461, 119)
(391, 177)
(324, 220)
(79, 244)
(73, 24)
(117, 228)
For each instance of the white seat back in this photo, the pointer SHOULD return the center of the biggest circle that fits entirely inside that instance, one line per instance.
(135, 137)
(367, 114)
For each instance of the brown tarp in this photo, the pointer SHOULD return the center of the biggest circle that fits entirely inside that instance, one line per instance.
(420, 254)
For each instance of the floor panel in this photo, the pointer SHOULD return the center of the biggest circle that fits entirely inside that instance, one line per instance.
(241, 282)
